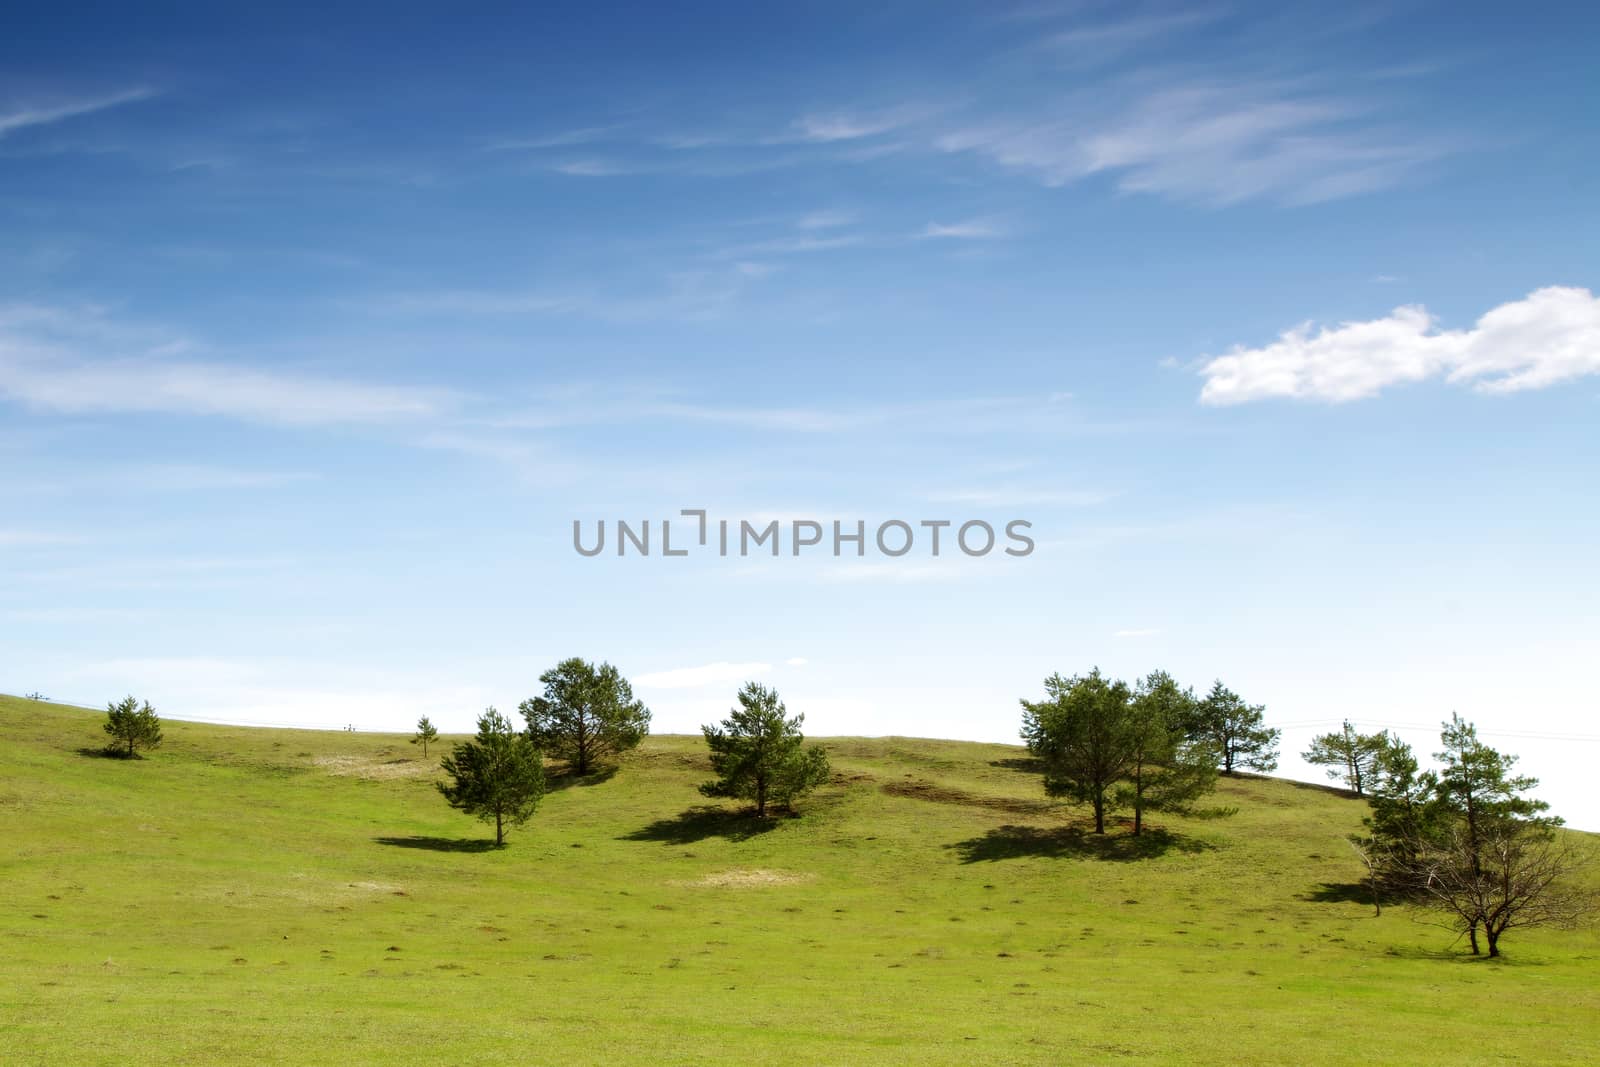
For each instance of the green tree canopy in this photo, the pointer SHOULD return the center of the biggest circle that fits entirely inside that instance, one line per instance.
(1352, 756)
(1235, 730)
(586, 714)
(497, 776)
(1468, 840)
(1167, 772)
(759, 753)
(1086, 734)
(132, 727)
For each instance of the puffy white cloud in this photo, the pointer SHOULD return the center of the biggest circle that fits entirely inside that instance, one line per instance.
(1552, 335)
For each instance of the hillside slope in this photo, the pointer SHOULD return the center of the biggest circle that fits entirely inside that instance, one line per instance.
(306, 897)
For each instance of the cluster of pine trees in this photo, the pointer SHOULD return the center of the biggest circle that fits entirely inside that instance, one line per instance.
(1465, 838)
(588, 715)
(1152, 746)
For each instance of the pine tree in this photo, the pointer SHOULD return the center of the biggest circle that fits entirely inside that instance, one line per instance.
(586, 714)
(426, 735)
(1349, 755)
(496, 776)
(1469, 841)
(132, 727)
(758, 753)
(1167, 771)
(1086, 734)
(1236, 730)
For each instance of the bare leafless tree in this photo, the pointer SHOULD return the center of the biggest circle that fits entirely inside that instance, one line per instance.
(1505, 875)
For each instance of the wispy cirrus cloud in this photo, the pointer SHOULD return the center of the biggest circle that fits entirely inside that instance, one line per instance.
(824, 128)
(1550, 336)
(1020, 496)
(82, 362)
(1212, 142)
(1107, 40)
(969, 230)
(21, 117)
(825, 220)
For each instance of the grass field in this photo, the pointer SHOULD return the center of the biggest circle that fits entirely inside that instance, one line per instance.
(307, 897)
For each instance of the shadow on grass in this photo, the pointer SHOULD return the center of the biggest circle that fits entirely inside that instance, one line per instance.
(700, 823)
(439, 844)
(1319, 787)
(106, 753)
(1014, 842)
(555, 780)
(1021, 764)
(1345, 893)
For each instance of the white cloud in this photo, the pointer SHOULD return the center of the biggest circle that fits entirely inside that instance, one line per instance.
(825, 220)
(563, 139)
(970, 230)
(1103, 41)
(1550, 336)
(943, 570)
(14, 538)
(796, 661)
(1216, 143)
(45, 114)
(81, 363)
(1008, 496)
(719, 673)
(842, 126)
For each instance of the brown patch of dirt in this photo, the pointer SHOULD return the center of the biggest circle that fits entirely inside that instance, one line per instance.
(374, 768)
(747, 878)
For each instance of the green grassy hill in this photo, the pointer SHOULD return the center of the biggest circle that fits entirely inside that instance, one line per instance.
(307, 897)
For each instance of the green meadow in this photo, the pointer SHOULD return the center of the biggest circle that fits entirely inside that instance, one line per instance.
(253, 895)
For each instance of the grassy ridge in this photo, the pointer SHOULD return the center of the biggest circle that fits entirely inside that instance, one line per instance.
(306, 897)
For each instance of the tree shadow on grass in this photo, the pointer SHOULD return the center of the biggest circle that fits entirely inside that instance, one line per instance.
(1021, 764)
(699, 823)
(439, 844)
(1345, 893)
(103, 752)
(566, 778)
(1320, 787)
(1056, 842)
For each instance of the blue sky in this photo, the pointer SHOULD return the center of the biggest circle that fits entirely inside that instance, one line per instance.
(319, 328)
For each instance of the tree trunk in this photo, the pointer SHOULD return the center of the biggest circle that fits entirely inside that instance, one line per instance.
(1472, 937)
(499, 832)
(1494, 941)
(761, 798)
(1099, 814)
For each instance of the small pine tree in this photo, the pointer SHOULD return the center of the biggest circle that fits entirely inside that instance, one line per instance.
(496, 776)
(426, 735)
(758, 753)
(132, 727)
